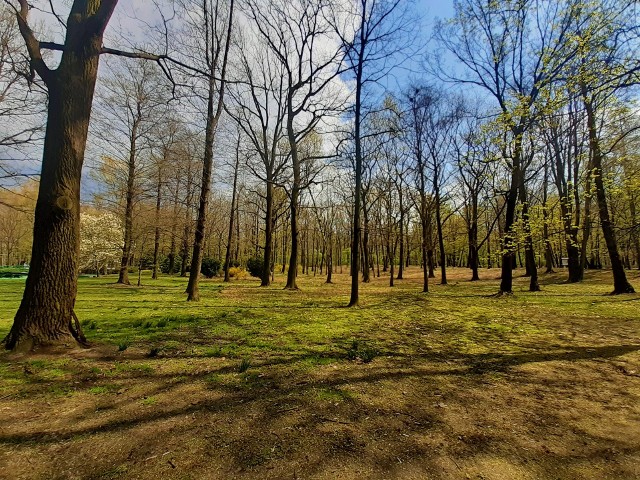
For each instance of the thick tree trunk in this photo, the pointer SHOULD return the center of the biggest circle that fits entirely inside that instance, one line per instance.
(292, 273)
(46, 315)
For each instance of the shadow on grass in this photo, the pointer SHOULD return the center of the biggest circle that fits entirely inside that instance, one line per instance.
(276, 389)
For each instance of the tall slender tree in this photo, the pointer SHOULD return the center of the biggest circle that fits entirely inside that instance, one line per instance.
(214, 42)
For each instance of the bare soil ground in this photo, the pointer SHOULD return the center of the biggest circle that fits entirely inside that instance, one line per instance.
(545, 387)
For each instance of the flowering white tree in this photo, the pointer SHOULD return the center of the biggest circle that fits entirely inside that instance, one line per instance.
(101, 237)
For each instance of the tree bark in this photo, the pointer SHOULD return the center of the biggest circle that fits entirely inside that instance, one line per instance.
(529, 254)
(213, 116)
(268, 236)
(156, 239)
(227, 257)
(401, 239)
(620, 282)
(355, 245)
(294, 201)
(123, 277)
(46, 315)
(506, 281)
(474, 261)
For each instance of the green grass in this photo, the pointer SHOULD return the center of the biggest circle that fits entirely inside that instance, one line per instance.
(312, 327)
(262, 378)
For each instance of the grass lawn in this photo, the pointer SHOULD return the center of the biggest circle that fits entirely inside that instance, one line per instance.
(263, 383)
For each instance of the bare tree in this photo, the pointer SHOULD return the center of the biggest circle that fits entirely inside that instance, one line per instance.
(130, 103)
(300, 38)
(259, 110)
(371, 34)
(232, 212)
(214, 38)
(22, 100)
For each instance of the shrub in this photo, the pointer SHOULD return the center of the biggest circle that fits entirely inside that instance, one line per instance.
(239, 273)
(146, 262)
(255, 266)
(210, 267)
(234, 263)
(164, 264)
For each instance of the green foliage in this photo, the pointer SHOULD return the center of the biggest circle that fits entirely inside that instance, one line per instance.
(210, 267)
(255, 266)
(165, 261)
(360, 352)
(10, 274)
(146, 262)
(244, 365)
(233, 264)
(123, 345)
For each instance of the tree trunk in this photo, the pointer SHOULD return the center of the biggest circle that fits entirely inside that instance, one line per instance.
(443, 261)
(506, 281)
(355, 245)
(474, 262)
(46, 315)
(123, 277)
(227, 258)
(294, 200)
(213, 116)
(156, 238)
(620, 283)
(529, 254)
(268, 236)
(329, 260)
(427, 255)
(205, 189)
(366, 254)
(401, 239)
